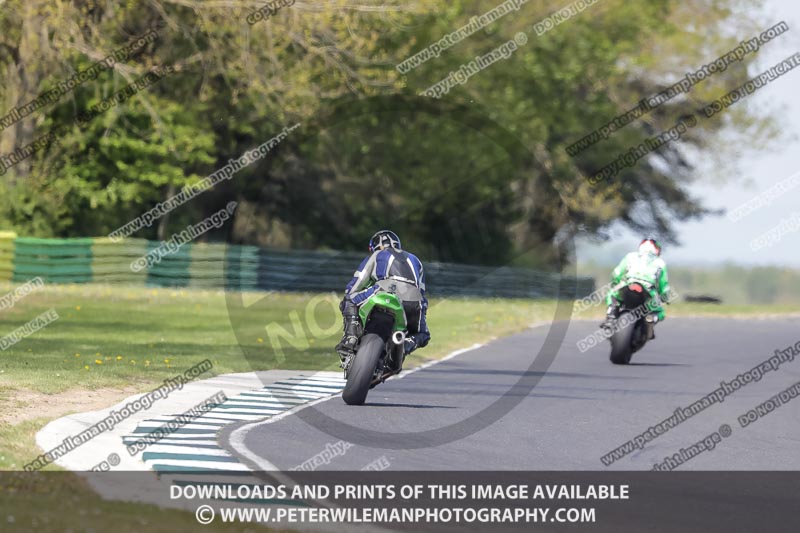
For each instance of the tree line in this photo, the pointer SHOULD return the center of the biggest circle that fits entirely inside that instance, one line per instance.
(480, 175)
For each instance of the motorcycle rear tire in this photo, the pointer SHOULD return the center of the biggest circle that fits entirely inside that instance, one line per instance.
(362, 369)
(621, 350)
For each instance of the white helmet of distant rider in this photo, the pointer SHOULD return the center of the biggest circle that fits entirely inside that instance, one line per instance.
(650, 246)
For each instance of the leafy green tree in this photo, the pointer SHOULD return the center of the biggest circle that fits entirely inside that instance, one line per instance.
(481, 176)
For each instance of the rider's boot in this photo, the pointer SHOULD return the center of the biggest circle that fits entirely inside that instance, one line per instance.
(611, 315)
(352, 331)
(409, 344)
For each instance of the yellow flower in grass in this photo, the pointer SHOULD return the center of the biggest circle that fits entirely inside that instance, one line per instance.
(77, 307)
(98, 361)
(86, 367)
(166, 361)
(260, 340)
(119, 358)
(77, 355)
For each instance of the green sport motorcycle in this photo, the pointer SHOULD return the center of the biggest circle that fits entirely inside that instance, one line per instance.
(380, 350)
(633, 322)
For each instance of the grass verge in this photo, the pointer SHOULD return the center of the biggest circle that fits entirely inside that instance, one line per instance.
(120, 340)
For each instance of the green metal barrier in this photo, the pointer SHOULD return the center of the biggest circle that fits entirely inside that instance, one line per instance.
(111, 261)
(53, 260)
(239, 267)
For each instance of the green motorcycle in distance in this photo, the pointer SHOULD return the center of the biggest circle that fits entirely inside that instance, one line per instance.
(380, 350)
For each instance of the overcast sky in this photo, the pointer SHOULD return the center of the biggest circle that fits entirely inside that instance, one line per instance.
(717, 239)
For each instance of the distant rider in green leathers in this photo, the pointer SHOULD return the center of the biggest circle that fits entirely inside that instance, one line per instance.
(647, 268)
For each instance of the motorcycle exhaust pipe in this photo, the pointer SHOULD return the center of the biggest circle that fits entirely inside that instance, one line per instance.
(399, 337)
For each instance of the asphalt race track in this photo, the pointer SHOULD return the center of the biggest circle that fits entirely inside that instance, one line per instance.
(476, 412)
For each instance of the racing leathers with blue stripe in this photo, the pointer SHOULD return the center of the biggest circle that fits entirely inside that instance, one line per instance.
(406, 270)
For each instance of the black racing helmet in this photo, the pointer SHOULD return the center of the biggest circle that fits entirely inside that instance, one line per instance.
(384, 239)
